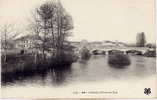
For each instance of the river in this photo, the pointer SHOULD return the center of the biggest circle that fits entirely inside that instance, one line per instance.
(92, 76)
(95, 69)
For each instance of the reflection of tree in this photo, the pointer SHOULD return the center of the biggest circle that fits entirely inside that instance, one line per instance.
(140, 66)
(59, 75)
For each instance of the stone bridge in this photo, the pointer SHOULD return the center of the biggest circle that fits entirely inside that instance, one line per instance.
(123, 49)
(106, 47)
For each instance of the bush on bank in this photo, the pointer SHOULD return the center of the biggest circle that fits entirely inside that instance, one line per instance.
(150, 53)
(118, 60)
(85, 53)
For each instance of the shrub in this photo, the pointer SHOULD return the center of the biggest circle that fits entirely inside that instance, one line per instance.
(85, 54)
(118, 60)
(150, 54)
(18, 63)
(64, 58)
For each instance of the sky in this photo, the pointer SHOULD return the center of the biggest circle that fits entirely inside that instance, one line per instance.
(94, 20)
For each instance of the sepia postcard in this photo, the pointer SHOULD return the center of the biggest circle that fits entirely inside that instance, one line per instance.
(78, 49)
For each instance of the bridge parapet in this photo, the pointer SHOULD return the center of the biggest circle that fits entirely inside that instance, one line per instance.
(123, 49)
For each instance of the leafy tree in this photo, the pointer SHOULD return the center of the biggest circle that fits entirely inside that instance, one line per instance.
(8, 34)
(52, 24)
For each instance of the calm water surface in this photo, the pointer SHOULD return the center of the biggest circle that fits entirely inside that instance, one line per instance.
(95, 69)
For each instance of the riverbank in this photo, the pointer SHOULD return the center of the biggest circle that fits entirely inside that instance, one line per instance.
(21, 66)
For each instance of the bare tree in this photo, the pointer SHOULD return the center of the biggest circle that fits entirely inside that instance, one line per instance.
(64, 25)
(8, 34)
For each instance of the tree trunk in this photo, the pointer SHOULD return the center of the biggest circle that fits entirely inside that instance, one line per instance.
(5, 47)
(53, 37)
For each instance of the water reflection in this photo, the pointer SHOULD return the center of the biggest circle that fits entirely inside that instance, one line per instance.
(56, 76)
(59, 76)
(140, 67)
(144, 66)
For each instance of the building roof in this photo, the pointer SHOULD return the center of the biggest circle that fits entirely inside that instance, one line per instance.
(28, 37)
